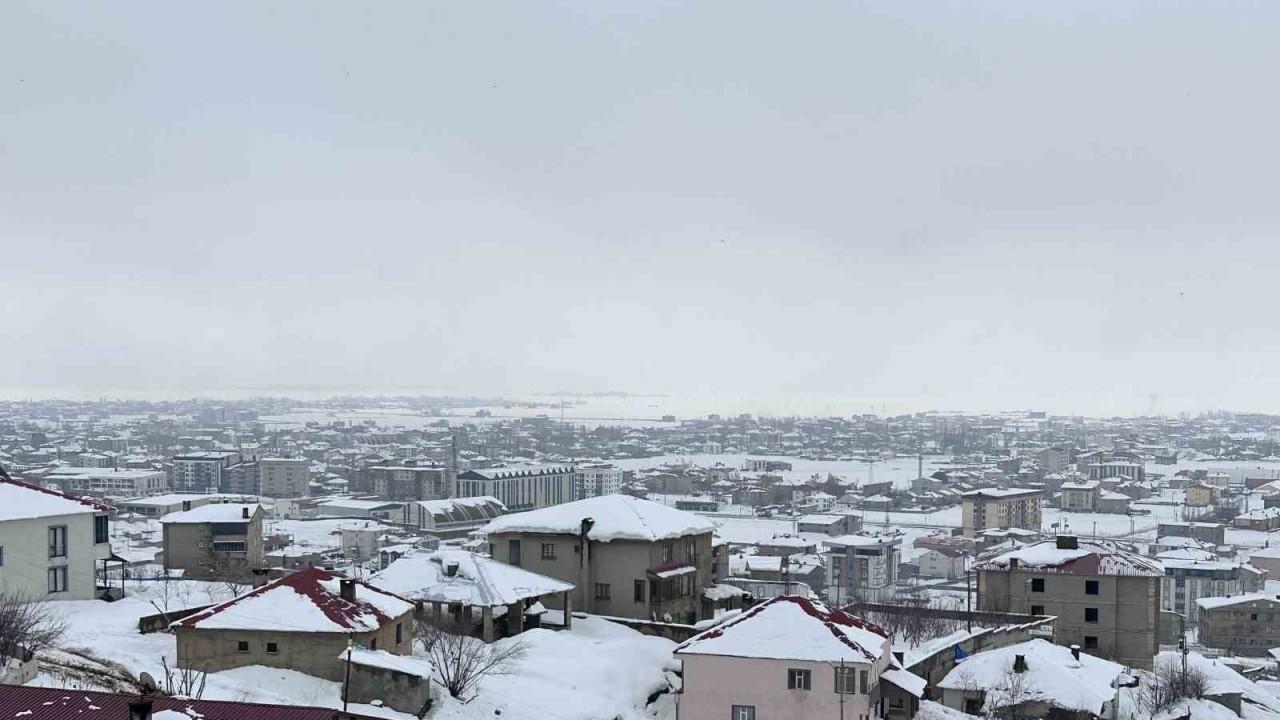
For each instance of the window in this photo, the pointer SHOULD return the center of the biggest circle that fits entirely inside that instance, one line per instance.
(100, 533)
(273, 648)
(399, 633)
(230, 547)
(58, 541)
(1253, 616)
(690, 552)
(1090, 642)
(1037, 609)
(743, 712)
(1091, 615)
(513, 552)
(668, 554)
(242, 646)
(639, 591)
(1090, 587)
(1, 556)
(845, 681)
(602, 591)
(57, 579)
(548, 551)
(862, 681)
(373, 644)
(1037, 584)
(798, 679)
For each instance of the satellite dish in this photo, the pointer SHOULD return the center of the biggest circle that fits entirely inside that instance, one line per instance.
(147, 682)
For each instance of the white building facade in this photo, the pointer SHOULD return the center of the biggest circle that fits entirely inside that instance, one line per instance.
(50, 544)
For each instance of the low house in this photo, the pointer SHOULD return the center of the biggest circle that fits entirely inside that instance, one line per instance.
(1241, 625)
(1215, 533)
(1033, 679)
(486, 597)
(352, 508)
(1267, 558)
(943, 562)
(399, 682)
(626, 556)
(301, 622)
(214, 540)
(1201, 494)
(52, 546)
(1264, 519)
(792, 658)
(1115, 503)
(828, 524)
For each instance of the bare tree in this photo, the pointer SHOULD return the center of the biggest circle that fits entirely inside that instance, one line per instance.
(461, 660)
(234, 577)
(27, 623)
(183, 682)
(1168, 685)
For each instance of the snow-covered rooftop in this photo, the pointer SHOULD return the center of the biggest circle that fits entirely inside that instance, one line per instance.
(616, 517)
(306, 601)
(1000, 492)
(1088, 557)
(478, 581)
(1209, 603)
(790, 627)
(20, 501)
(213, 513)
(407, 664)
(1052, 676)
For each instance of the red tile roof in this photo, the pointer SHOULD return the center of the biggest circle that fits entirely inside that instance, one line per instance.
(307, 583)
(36, 703)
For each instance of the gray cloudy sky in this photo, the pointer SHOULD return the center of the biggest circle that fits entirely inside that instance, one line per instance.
(1070, 206)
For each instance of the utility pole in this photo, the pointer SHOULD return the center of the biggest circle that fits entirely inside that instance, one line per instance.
(843, 678)
(346, 682)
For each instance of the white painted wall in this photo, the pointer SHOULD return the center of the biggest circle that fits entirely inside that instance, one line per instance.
(27, 562)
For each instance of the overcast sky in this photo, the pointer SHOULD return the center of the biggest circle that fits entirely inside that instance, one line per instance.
(1069, 206)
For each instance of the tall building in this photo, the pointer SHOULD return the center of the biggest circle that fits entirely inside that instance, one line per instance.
(997, 508)
(596, 479)
(1106, 600)
(861, 567)
(202, 472)
(285, 477)
(412, 482)
(521, 487)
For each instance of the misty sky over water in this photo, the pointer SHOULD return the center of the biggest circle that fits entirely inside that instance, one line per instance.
(916, 205)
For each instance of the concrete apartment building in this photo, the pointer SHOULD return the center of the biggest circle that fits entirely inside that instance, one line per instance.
(520, 487)
(284, 477)
(627, 557)
(1000, 509)
(108, 481)
(1241, 625)
(300, 622)
(51, 545)
(596, 479)
(861, 567)
(157, 506)
(1117, 469)
(791, 658)
(413, 482)
(214, 539)
(1190, 575)
(1214, 533)
(1106, 600)
(202, 472)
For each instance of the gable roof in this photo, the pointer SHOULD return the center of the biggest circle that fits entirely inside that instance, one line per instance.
(306, 601)
(479, 581)
(617, 517)
(23, 501)
(789, 627)
(1052, 676)
(38, 703)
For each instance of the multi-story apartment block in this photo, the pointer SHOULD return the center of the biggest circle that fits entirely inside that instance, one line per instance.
(1214, 533)
(412, 482)
(1106, 600)
(214, 540)
(243, 478)
(108, 481)
(285, 477)
(996, 508)
(1200, 575)
(861, 567)
(202, 472)
(627, 557)
(596, 479)
(521, 487)
(51, 545)
(1080, 496)
(1240, 625)
(1118, 469)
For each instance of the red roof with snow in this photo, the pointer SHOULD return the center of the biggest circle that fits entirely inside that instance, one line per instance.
(37, 703)
(306, 601)
(790, 627)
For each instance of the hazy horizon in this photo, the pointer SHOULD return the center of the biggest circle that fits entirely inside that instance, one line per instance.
(905, 206)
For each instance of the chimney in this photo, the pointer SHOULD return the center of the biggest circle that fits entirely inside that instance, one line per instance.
(244, 512)
(261, 576)
(1075, 652)
(347, 589)
(451, 569)
(140, 709)
(186, 505)
(1068, 542)
(1019, 663)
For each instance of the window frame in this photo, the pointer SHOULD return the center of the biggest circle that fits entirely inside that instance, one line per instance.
(799, 679)
(1097, 616)
(103, 523)
(845, 680)
(242, 647)
(548, 551)
(56, 550)
(637, 590)
(602, 591)
(1092, 587)
(742, 712)
(58, 580)
(271, 645)
(1037, 584)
